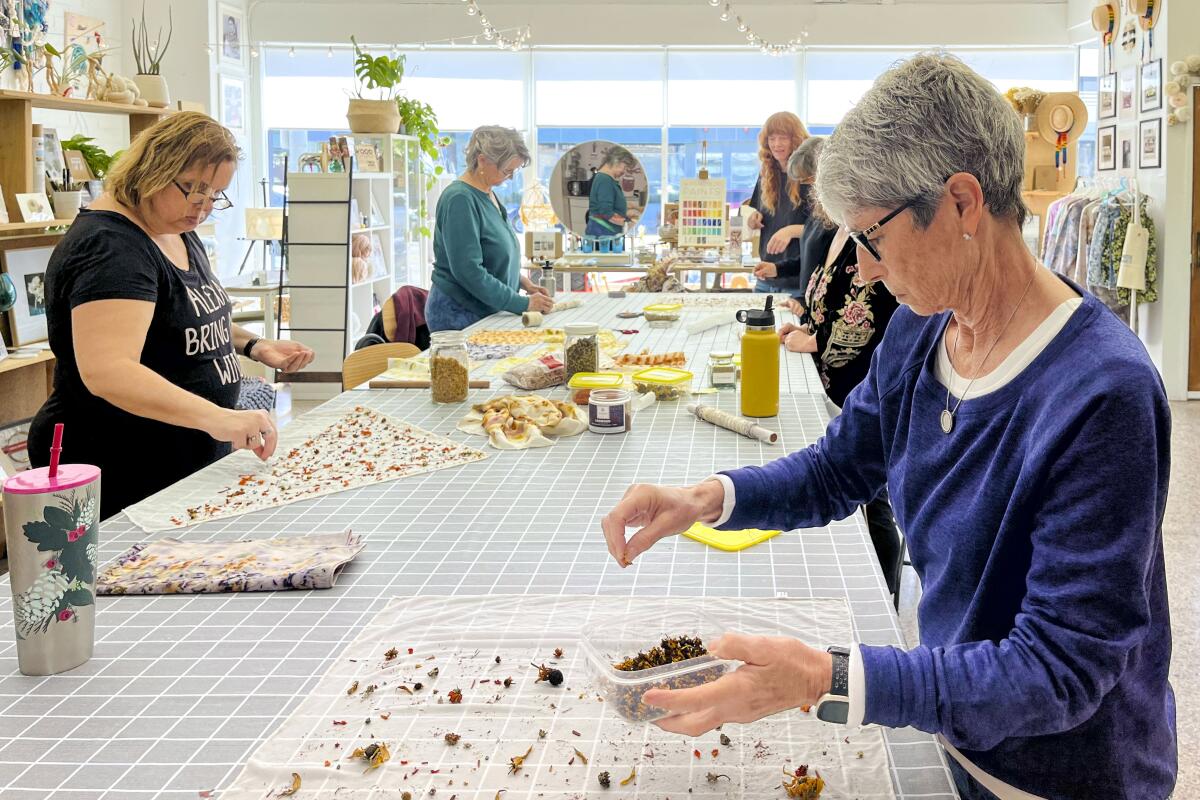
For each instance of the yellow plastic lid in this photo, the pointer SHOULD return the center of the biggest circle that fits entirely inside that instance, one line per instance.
(663, 308)
(596, 380)
(664, 376)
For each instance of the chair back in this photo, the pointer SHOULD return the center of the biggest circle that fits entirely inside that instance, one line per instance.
(363, 365)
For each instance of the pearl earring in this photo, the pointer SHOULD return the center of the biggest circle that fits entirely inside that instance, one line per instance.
(967, 237)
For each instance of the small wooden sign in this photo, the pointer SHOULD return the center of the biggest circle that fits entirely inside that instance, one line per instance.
(77, 166)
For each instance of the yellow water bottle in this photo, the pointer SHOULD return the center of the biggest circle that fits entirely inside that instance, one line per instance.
(760, 362)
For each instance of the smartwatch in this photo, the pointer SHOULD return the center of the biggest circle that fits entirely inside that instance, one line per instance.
(834, 705)
(250, 346)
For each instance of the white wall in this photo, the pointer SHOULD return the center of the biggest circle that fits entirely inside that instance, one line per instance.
(1163, 325)
(694, 23)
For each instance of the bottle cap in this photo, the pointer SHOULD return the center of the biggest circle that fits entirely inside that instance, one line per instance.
(759, 318)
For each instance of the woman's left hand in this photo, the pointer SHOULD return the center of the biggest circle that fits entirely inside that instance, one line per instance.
(780, 241)
(777, 674)
(282, 355)
(797, 339)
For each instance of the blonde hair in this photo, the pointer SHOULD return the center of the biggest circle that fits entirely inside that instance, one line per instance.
(788, 124)
(167, 148)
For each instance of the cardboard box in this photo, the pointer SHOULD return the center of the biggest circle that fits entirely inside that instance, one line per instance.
(540, 245)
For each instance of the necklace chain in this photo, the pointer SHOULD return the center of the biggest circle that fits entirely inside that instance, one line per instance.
(948, 413)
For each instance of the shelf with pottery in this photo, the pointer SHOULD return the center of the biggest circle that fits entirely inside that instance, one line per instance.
(16, 133)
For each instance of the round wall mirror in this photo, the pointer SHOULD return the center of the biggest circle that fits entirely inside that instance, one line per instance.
(598, 188)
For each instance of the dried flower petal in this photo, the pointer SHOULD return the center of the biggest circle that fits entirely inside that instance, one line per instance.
(295, 787)
(375, 754)
(516, 762)
(391, 654)
(631, 778)
(582, 757)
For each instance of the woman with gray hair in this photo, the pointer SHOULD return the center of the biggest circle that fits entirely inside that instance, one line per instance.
(476, 258)
(607, 208)
(1024, 436)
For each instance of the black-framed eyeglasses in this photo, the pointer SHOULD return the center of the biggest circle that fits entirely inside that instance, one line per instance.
(862, 238)
(197, 197)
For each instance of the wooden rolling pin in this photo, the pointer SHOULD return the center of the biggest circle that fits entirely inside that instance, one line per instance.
(417, 383)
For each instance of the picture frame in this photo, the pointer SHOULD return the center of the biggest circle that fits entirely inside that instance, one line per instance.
(1126, 89)
(1127, 143)
(231, 32)
(1151, 94)
(35, 207)
(1106, 148)
(233, 102)
(1106, 101)
(367, 156)
(27, 270)
(53, 154)
(82, 30)
(1150, 143)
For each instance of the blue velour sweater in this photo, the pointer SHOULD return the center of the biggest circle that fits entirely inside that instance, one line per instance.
(1036, 529)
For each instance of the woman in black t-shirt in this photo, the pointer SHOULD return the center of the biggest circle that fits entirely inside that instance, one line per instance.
(147, 369)
(779, 205)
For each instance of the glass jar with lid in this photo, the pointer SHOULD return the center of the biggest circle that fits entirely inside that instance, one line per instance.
(581, 348)
(449, 367)
(722, 372)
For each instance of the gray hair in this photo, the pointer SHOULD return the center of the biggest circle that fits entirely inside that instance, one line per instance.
(924, 120)
(499, 145)
(619, 155)
(803, 163)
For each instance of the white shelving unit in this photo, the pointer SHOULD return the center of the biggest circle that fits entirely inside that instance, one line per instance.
(410, 209)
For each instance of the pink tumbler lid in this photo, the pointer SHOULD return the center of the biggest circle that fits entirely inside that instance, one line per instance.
(38, 481)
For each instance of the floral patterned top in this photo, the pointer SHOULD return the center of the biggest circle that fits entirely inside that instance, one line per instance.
(847, 316)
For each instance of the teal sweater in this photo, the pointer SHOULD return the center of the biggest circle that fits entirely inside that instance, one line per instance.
(476, 259)
(606, 198)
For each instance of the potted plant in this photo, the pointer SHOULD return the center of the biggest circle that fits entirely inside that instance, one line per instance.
(97, 159)
(375, 73)
(148, 56)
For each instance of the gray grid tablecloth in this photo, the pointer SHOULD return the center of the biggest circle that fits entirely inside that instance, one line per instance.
(182, 689)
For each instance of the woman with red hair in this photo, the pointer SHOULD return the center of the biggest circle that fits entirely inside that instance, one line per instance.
(779, 205)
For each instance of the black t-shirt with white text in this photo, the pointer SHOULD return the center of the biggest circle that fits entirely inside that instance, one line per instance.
(105, 256)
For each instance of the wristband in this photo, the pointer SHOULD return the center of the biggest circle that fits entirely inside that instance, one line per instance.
(834, 705)
(250, 346)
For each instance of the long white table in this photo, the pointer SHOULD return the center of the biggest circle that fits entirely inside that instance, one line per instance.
(183, 688)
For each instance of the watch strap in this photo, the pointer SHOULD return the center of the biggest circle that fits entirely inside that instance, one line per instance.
(834, 705)
(249, 347)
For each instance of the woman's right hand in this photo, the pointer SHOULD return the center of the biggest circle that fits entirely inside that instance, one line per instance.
(246, 430)
(765, 269)
(659, 511)
(797, 339)
(541, 302)
(755, 220)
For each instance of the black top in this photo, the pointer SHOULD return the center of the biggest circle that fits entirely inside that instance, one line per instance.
(105, 256)
(848, 316)
(814, 247)
(785, 214)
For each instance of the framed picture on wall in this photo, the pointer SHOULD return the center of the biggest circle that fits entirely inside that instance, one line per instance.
(1107, 100)
(1152, 86)
(233, 102)
(231, 23)
(1126, 89)
(27, 270)
(1126, 149)
(1106, 148)
(1150, 143)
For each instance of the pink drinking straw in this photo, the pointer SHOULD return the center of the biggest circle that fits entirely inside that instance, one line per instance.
(56, 450)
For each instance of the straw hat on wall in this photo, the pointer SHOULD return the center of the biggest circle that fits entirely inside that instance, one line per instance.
(1061, 112)
(1147, 12)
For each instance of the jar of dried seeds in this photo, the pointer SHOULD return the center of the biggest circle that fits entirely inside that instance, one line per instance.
(449, 366)
(581, 348)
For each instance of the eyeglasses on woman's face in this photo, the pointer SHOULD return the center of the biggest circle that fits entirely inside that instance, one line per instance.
(863, 238)
(199, 195)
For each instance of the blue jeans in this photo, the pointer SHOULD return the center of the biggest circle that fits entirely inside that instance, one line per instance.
(968, 787)
(443, 313)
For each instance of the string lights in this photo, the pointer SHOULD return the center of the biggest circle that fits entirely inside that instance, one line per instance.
(766, 47)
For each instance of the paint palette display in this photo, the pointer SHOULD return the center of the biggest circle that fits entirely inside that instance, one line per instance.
(703, 221)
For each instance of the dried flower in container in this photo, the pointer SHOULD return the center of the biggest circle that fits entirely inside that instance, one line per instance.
(552, 676)
(516, 762)
(375, 754)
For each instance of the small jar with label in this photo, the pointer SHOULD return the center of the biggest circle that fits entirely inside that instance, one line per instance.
(581, 348)
(449, 367)
(722, 372)
(609, 411)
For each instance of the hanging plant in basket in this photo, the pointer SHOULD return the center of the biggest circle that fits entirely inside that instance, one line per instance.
(380, 74)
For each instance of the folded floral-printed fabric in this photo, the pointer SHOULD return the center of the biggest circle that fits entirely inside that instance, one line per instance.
(171, 566)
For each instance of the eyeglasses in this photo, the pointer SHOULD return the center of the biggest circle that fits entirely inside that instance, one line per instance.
(862, 238)
(198, 197)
